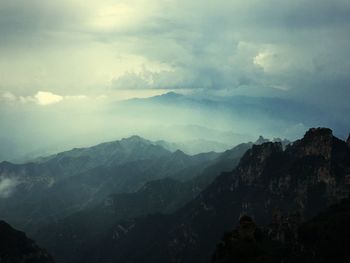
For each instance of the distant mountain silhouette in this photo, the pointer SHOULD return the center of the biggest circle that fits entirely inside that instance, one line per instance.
(250, 108)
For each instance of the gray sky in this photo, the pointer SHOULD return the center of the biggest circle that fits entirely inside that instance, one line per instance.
(93, 51)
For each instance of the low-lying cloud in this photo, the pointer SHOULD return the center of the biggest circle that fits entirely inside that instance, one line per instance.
(7, 186)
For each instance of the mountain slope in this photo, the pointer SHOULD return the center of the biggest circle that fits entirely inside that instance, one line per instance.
(54, 187)
(67, 238)
(323, 239)
(15, 247)
(305, 178)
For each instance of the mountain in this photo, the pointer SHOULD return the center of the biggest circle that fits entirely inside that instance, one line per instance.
(305, 178)
(119, 152)
(68, 238)
(15, 247)
(274, 115)
(56, 186)
(323, 239)
(193, 147)
(248, 244)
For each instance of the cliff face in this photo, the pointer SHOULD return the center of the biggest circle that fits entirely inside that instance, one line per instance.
(15, 247)
(317, 141)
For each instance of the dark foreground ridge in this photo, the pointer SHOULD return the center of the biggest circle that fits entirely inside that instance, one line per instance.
(15, 247)
(323, 239)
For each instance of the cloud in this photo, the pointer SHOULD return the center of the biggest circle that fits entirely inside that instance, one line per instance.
(212, 44)
(98, 46)
(7, 186)
(42, 98)
(47, 98)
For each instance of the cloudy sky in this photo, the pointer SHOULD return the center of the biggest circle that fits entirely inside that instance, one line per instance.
(69, 51)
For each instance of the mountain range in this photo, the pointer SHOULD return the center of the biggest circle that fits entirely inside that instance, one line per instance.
(135, 201)
(305, 178)
(70, 181)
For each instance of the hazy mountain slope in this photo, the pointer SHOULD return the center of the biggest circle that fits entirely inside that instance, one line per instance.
(65, 183)
(254, 115)
(67, 238)
(194, 146)
(15, 247)
(305, 178)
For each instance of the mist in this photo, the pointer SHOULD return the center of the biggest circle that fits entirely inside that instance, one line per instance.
(31, 129)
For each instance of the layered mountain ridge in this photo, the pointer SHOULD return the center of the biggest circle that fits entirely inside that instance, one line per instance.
(70, 181)
(175, 207)
(305, 178)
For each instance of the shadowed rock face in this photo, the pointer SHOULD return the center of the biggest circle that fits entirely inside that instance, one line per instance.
(317, 141)
(323, 239)
(348, 140)
(247, 244)
(246, 228)
(15, 247)
(253, 162)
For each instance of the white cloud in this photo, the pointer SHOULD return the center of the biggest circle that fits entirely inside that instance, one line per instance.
(42, 98)
(7, 186)
(262, 59)
(46, 98)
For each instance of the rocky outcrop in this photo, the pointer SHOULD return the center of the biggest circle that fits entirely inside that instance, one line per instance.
(253, 162)
(317, 141)
(15, 247)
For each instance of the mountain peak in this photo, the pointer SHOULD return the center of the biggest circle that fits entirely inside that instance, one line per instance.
(261, 140)
(348, 140)
(318, 132)
(135, 139)
(316, 141)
